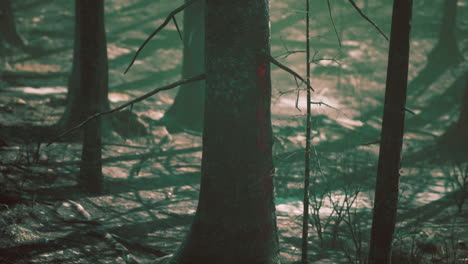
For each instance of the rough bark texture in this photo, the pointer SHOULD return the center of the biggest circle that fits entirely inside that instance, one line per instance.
(91, 73)
(235, 220)
(90, 40)
(388, 174)
(187, 110)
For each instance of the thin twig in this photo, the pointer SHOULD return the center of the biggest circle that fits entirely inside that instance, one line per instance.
(305, 219)
(325, 104)
(333, 22)
(177, 27)
(367, 18)
(289, 52)
(410, 111)
(136, 100)
(289, 70)
(168, 19)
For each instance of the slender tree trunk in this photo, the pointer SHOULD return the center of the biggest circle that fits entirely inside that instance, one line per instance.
(235, 220)
(187, 110)
(90, 72)
(77, 101)
(388, 174)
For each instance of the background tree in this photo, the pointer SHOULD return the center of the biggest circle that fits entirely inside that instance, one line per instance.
(453, 143)
(89, 86)
(391, 141)
(235, 220)
(88, 40)
(8, 33)
(187, 110)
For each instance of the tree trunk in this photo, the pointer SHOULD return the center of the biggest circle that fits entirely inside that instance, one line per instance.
(446, 51)
(85, 31)
(187, 110)
(235, 220)
(388, 174)
(90, 72)
(453, 144)
(8, 32)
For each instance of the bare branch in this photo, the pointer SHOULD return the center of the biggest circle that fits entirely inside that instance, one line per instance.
(325, 104)
(168, 19)
(367, 18)
(410, 111)
(177, 27)
(333, 22)
(288, 53)
(287, 69)
(136, 100)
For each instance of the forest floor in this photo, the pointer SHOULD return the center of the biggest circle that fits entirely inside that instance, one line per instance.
(152, 181)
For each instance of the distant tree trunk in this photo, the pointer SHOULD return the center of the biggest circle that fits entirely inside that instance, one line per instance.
(235, 220)
(187, 110)
(90, 72)
(77, 101)
(8, 32)
(453, 144)
(388, 174)
(446, 50)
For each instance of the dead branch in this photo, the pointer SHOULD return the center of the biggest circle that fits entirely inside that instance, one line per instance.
(367, 18)
(136, 100)
(333, 22)
(287, 69)
(168, 19)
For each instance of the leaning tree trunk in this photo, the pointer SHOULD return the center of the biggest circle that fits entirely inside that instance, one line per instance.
(388, 174)
(235, 220)
(187, 110)
(86, 36)
(90, 72)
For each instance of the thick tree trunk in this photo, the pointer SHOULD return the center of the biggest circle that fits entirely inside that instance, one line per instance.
(90, 72)
(388, 174)
(235, 220)
(187, 110)
(77, 101)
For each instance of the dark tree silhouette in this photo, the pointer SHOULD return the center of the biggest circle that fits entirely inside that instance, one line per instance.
(446, 50)
(453, 144)
(235, 220)
(388, 172)
(89, 50)
(8, 33)
(89, 85)
(187, 110)
(445, 53)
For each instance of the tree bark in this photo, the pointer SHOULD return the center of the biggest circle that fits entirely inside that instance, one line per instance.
(388, 174)
(90, 72)
(235, 220)
(187, 110)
